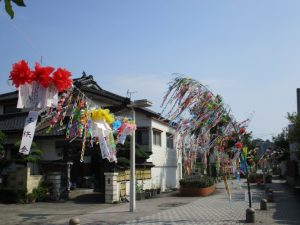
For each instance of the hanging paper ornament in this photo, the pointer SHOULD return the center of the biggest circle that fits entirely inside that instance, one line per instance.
(61, 79)
(42, 75)
(125, 130)
(238, 145)
(116, 125)
(242, 130)
(102, 114)
(21, 74)
(37, 89)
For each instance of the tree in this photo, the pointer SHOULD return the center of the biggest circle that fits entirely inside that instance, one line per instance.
(294, 132)
(123, 153)
(2, 140)
(281, 145)
(8, 6)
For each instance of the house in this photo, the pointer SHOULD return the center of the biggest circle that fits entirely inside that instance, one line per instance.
(61, 159)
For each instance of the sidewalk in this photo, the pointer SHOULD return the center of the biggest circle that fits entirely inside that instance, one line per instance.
(165, 210)
(215, 209)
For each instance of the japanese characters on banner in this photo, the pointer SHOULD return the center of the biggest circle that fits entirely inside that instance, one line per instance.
(37, 89)
(28, 132)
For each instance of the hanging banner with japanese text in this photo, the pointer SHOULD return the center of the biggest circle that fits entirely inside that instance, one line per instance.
(28, 132)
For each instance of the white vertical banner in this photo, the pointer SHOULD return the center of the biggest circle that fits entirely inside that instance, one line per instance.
(28, 132)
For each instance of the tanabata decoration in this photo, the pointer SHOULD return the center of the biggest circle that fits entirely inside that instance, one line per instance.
(195, 109)
(102, 119)
(204, 127)
(37, 88)
(124, 130)
(87, 122)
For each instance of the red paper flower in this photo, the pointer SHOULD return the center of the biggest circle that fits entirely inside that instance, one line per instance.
(242, 130)
(42, 74)
(238, 145)
(61, 79)
(20, 73)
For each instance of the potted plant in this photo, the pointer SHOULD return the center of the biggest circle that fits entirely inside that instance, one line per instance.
(255, 178)
(158, 190)
(148, 193)
(31, 198)
(140, 193)
(197, 187)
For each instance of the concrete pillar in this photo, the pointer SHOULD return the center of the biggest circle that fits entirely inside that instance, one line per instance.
(69, 164)
(250, 215)
(111, 188)
(263, 204)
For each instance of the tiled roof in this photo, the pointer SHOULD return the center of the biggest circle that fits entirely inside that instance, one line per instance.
(53, 132)
(12, 122)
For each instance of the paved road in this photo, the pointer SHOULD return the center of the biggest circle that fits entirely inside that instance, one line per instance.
(167, 210)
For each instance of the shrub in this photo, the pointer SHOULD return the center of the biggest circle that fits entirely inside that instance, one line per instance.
(203, 182)
(13, 195)
(255, 177)
(40, 193)
(30, 198)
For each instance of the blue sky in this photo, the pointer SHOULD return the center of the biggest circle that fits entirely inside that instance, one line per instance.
(247, 51)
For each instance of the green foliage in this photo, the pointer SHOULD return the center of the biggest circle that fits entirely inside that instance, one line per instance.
(281, 143)
(9, 8)
(140, 187)
(203, 182)
(248, 140)
(2, 139)
(123, 154)
(281, 140)
(294, 133)
(40, 193)
(123, 161)
(33, 157)
(30, 198)
(255, 177)
(13, 195)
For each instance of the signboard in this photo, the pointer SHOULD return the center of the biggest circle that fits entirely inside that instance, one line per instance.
(28, 132)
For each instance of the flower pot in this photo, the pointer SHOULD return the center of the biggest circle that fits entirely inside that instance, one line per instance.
(148, 194)
(192, 191)
(153, 192)
(140, 195)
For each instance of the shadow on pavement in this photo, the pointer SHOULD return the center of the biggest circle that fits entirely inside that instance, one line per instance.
(286, 203)
(91, 198)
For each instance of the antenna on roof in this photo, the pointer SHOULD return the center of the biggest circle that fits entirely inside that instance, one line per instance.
(129, 93)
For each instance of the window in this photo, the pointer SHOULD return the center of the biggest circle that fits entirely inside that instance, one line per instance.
(170, 140)
(142, 136)
(157, 137)
(10, 108)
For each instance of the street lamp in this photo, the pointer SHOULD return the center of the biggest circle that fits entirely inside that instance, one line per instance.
(133, 105)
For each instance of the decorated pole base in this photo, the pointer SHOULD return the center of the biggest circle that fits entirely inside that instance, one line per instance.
(263, 204)
(250, 215)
